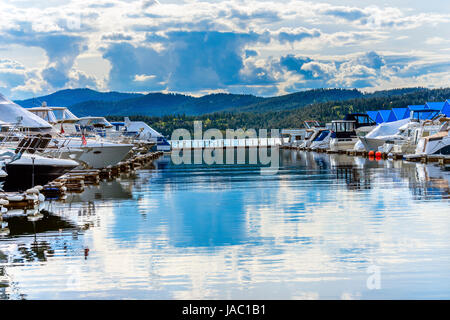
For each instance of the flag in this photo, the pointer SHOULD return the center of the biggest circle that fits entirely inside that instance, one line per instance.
(83, 140)
(62, 129)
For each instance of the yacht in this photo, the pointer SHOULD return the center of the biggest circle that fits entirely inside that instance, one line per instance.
(346, 132)
(78, 138)
(297, 137)
(436, 144)
(142, 132)
(402, 136)
(28, 170)
(12, 113)
(25, 166)
(322, 140)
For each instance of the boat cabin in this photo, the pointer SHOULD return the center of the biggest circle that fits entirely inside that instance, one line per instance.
(360, 119)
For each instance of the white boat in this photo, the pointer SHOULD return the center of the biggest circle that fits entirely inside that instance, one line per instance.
(400, 136)
(12, 113)
(322, 140)
(78, 138)
(346, 132)
(436, 144)
(386, 131)
(97, 154)
(298, 137)
(141, 131)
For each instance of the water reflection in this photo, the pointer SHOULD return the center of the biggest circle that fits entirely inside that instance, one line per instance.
(225, 231)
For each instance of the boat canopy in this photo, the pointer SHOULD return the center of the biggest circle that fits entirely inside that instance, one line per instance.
(11, 112)
(140, 126)
(44, 113)
(323, 134)
(95, 122)
(62, 114)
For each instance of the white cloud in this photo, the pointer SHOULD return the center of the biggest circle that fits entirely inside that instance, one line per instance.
(318, 29)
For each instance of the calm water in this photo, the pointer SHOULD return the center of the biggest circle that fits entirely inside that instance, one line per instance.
(227, 232)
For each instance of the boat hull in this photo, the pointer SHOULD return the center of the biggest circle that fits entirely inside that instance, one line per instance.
(371, 144)
(98, 157)
(342, 144)
(20, 176)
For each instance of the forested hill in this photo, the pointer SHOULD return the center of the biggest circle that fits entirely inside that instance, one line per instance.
(323, 111)
(159, 104)
(300, 99)
(68, 97)
(84, 102)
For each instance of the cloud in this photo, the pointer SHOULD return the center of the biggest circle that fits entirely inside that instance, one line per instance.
(191, 61)
(202, 46)
(117, 37)
(350, 14)
(297, 34)
(61, 50)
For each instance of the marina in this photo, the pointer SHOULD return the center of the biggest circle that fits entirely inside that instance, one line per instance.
(312, 231)
(95, 209)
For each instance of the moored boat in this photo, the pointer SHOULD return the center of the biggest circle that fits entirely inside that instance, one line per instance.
(346, 132)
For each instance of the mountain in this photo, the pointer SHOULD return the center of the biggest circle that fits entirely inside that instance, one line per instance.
(68, 97)
(301, 99)
(293, 118)
(86, 102)
(159, 104)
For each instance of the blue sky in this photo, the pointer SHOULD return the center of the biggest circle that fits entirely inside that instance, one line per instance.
(199, 47)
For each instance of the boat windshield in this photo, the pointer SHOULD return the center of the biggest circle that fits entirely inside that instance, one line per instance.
(343, 126)
(95, 122)
(44, 113)
(322, 135)
(62, 114)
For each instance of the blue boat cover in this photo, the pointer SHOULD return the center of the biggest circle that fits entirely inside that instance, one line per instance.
(372, 115)
(385, 116)
(435, 105)
(446, 108)
(401, 113)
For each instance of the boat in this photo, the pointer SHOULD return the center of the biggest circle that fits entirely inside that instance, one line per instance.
(297, 137)
(79, 138)
(28, 170)
(436, 144)
(12, 113)
(386, 131)
(140, 131)
(322, 140)
(402, 136)
(346, 132)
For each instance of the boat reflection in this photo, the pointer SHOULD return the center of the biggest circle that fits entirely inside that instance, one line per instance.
(426, 181)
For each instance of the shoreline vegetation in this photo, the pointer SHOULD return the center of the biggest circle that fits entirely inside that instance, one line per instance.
(294, 117)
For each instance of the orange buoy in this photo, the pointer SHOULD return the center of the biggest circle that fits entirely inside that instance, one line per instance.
(371, 153)
(378, 154)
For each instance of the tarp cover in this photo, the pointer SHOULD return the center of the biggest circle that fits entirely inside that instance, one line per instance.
(382, 130)
(9, 112)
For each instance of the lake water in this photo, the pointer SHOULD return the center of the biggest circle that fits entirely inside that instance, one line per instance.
(323, 227)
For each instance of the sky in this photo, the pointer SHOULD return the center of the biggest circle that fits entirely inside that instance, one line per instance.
(239, 46)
